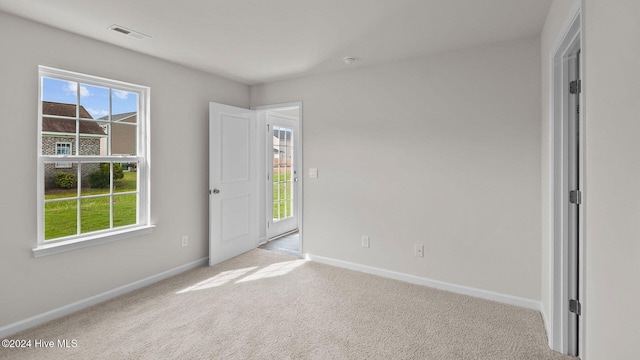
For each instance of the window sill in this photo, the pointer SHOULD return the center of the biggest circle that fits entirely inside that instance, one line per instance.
(87, 241)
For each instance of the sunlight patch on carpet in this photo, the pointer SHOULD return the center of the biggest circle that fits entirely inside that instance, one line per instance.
(218, 280)
(273, 270)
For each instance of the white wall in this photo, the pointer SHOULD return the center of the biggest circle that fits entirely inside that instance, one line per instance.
(179, 161)
(442, 150)
(556, 18)
(611, 58)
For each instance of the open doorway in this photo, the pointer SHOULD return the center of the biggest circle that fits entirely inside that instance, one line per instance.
(283, 182)
(255, 189)
(288, 244)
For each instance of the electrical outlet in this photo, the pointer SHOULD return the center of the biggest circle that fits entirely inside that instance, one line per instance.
(419, 250)
(185, 240)
(365, 241)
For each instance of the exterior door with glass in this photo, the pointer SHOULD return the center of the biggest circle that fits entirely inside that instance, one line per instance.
(283, 173)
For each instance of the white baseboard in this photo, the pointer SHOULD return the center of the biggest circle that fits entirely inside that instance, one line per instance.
(459, 289)
(96, 299)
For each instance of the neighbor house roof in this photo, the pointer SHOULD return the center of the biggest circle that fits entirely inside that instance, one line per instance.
(120, 117)
(67, 126)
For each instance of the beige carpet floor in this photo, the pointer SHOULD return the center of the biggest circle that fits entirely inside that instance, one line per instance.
(266, 305)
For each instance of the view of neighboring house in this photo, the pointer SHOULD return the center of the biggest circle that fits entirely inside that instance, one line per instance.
(123, 134)
(59, 138)
(282, 147)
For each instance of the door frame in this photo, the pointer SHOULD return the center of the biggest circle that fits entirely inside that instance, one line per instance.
(262, 178)
(574, 177)
(558, 327)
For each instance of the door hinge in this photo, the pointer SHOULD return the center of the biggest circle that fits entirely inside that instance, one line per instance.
(575, 87)
(575, 197)
(575, 307)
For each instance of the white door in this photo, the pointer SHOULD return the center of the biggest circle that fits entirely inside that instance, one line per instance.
(283, 174)
(232, 182)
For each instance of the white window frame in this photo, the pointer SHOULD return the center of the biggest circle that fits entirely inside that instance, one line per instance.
(64, 165)
(143, 224)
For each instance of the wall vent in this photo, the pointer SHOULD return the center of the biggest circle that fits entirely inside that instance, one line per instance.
(123, 30)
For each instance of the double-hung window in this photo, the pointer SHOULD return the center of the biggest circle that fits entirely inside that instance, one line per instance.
(93, 162)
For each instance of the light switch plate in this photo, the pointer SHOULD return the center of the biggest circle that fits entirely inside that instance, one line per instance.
(313, 172)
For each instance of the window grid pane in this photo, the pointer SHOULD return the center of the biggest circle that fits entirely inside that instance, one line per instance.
(124, 207)
(60, 219)
(95, 214)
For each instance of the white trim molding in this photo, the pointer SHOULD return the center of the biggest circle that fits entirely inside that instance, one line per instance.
(36, 320)
(96, 239)
(436, 284)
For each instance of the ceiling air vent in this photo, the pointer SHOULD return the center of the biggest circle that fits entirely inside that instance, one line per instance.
(128, 32)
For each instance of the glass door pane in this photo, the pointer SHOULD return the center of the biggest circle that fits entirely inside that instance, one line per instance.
(282, 173)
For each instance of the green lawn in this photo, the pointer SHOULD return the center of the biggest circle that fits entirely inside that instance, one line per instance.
(280, 177)
(281, 195)
(61, 217)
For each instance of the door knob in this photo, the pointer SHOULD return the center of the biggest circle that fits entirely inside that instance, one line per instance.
(215, 191)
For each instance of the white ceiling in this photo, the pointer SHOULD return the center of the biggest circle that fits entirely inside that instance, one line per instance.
(257, 41)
